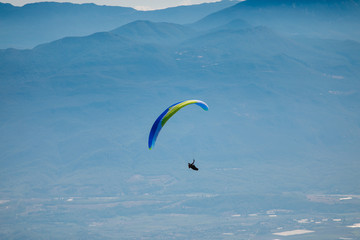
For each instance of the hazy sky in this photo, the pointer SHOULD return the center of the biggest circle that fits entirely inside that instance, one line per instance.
(138, 4)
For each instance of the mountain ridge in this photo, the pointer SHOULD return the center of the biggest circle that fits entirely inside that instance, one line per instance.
(20, 28)
(147, 31)
(282, 109)
(315, 15)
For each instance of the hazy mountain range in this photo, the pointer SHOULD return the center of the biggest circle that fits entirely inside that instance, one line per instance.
(282, 82)
(33, 24)
(282, 98)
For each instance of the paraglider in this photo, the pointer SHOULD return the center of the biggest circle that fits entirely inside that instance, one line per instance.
(166, 115)
(192, 165)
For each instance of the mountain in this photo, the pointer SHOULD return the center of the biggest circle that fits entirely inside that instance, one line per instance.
(320, 18)
(33, 24)
(160, 33)
(173, 48)
(276, 151)
(264, 76)
(36, 23)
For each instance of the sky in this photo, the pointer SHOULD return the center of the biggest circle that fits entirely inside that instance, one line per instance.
(137, 4)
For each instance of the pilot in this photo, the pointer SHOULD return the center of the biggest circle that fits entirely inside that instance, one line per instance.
(192, 166)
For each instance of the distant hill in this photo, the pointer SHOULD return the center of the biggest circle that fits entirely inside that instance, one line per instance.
(33, 24)
(320, 18)
(278, 149)
(160, 33)
(284, 110)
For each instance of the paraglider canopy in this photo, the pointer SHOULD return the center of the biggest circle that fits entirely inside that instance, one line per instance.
(167, 114)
